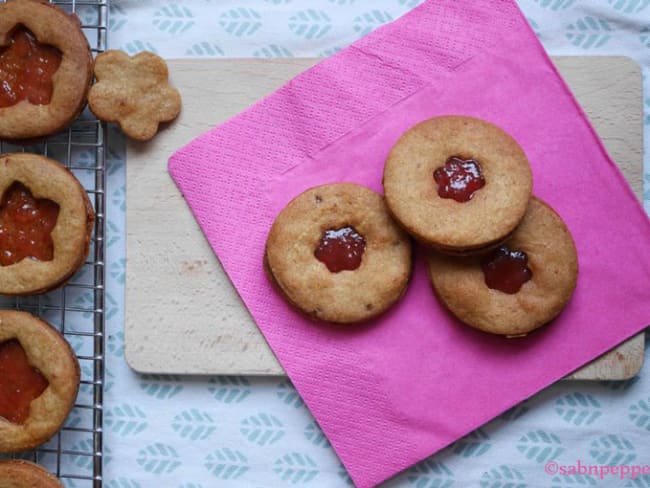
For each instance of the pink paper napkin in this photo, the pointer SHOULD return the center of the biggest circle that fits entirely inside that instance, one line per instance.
(392, 392)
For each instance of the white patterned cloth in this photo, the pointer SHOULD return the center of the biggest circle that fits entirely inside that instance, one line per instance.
(243, 432)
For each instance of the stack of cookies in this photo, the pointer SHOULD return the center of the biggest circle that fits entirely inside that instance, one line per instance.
(499, 259)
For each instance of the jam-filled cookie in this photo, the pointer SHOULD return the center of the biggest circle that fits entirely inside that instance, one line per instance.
(520, 286)
(457, 184)
(46, 222)
(39, 380)
(335, 253)
(45, 69)
(16, 473)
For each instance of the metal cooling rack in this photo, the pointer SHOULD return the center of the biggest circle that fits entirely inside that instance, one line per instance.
(77, 310)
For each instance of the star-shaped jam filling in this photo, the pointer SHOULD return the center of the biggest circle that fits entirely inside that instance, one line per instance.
(26, 69)
(459, 179)
(20, 383)
(341, 249)
(26, 226)
(506, 270)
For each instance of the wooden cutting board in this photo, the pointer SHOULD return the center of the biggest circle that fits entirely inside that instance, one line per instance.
(182, 314)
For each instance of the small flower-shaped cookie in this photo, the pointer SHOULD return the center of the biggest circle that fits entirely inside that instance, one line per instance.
(134, 92)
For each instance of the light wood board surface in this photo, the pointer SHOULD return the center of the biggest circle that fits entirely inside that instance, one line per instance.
(182, 314)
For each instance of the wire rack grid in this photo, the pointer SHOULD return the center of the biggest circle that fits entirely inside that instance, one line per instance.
(77, 310)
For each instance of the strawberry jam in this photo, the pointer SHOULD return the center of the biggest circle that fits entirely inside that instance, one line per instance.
(506, 270)
(26, 225)
(20, 383)
(341, 249)
(459, 179)
(26, 69)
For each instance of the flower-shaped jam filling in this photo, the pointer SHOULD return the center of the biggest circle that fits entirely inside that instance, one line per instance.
(26, 69)
(459, 179)
(506, 270)
(341, 249)
(20, 383)
(26, 225)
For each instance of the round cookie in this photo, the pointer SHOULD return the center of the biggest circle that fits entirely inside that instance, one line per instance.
(469, 150)
(16, 473)
(30, 182)
(39, 381)
(549, 277)
(335, 254)
(43, 97)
